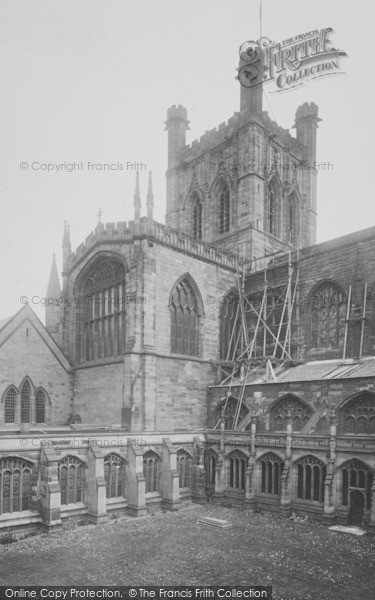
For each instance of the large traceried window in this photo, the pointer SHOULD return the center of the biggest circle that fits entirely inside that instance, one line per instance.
(104, 311)
(10, 406)
(356, 475)
(184, 319)
(72, 479)
(299, 411)
(237, 470)
(114, 475)
(184, 466)
(230, 407)
(26, 402)
(327, 316)
(197, 211)
(271, 470)
(15, 485)
(311, 474)
(224, 207)
(291, 221)
(151, 471)
(357, 416)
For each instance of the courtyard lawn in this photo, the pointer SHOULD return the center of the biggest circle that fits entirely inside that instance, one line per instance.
(301, 561)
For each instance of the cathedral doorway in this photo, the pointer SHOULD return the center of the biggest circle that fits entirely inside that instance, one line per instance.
(356, 507)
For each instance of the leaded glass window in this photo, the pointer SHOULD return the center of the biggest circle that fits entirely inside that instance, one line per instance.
(10, 405)
(26, 402)
(237, 470)
(197, 210)
(72, 479)
(224, 207)
(357, 416)
(15, 485)
(356, 476)
(327, 316)
(114, 475)
(311, 474)
(271, 470)
(151, 471)
(104, 308)
(184, 320)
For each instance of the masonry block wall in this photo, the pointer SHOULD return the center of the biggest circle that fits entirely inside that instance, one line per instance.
(347, 261)
(245, 153)
(27, 351)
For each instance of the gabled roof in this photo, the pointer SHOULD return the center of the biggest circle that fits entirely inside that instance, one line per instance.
(10, 325)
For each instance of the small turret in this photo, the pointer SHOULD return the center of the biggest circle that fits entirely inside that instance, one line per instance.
(176, 124)
(137, 206)
(250, 76)
(150, 200)
(53, 296)
(306, 125)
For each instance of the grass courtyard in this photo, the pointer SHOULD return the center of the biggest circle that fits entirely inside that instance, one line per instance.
(301, 561)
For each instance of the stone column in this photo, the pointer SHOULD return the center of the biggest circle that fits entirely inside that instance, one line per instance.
(136, 481)
(96, 489)
(329, 510)
(50, 493)
(199, 474)
(250, 492)
(286, 491)
(371, 525)
(170, 487)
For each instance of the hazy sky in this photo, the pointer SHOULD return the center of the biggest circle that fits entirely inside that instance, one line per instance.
(91, 81)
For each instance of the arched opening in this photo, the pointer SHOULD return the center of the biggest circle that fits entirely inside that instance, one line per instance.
(311, 474)
(237, 470)
(40, 406)
(184, 310)
(10, 402)
(327, 314)
(101, 317)
(230, 406)
(289, 407)
(357, 415)
(356, 475)
(151, 471)
(230, 327)
(15, 485)
(271, 467)
(26, 402)
(72, 479)
(114, 475)
(197, 212)
(184, 468)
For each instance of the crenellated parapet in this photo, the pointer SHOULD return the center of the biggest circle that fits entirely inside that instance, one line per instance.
(124, 233)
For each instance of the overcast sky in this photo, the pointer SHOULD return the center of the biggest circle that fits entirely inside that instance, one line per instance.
(91, 81)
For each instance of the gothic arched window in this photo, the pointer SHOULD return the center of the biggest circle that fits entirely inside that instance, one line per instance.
(224, 207)
(104, 310)
(357, 416)
(356, 475)
(291, 222)
(72, 479)
(114, 475)
(273, 201)
(271, 470)
(327, 316)
(230, 327)
(311, 476)
(184, 465)
(184, 320)
(26, 402)
(271, 211)
(15, 485)
(151, 471)
(40, 406)
(10, 405)
(237, 470)
(299, 411)
(197, 210)
(230, 410)
(210, 460)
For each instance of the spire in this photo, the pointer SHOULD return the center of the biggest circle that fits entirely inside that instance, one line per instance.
(53, 297)
(66, 238)
(53, 289)
(137, 199)
(150, 197)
